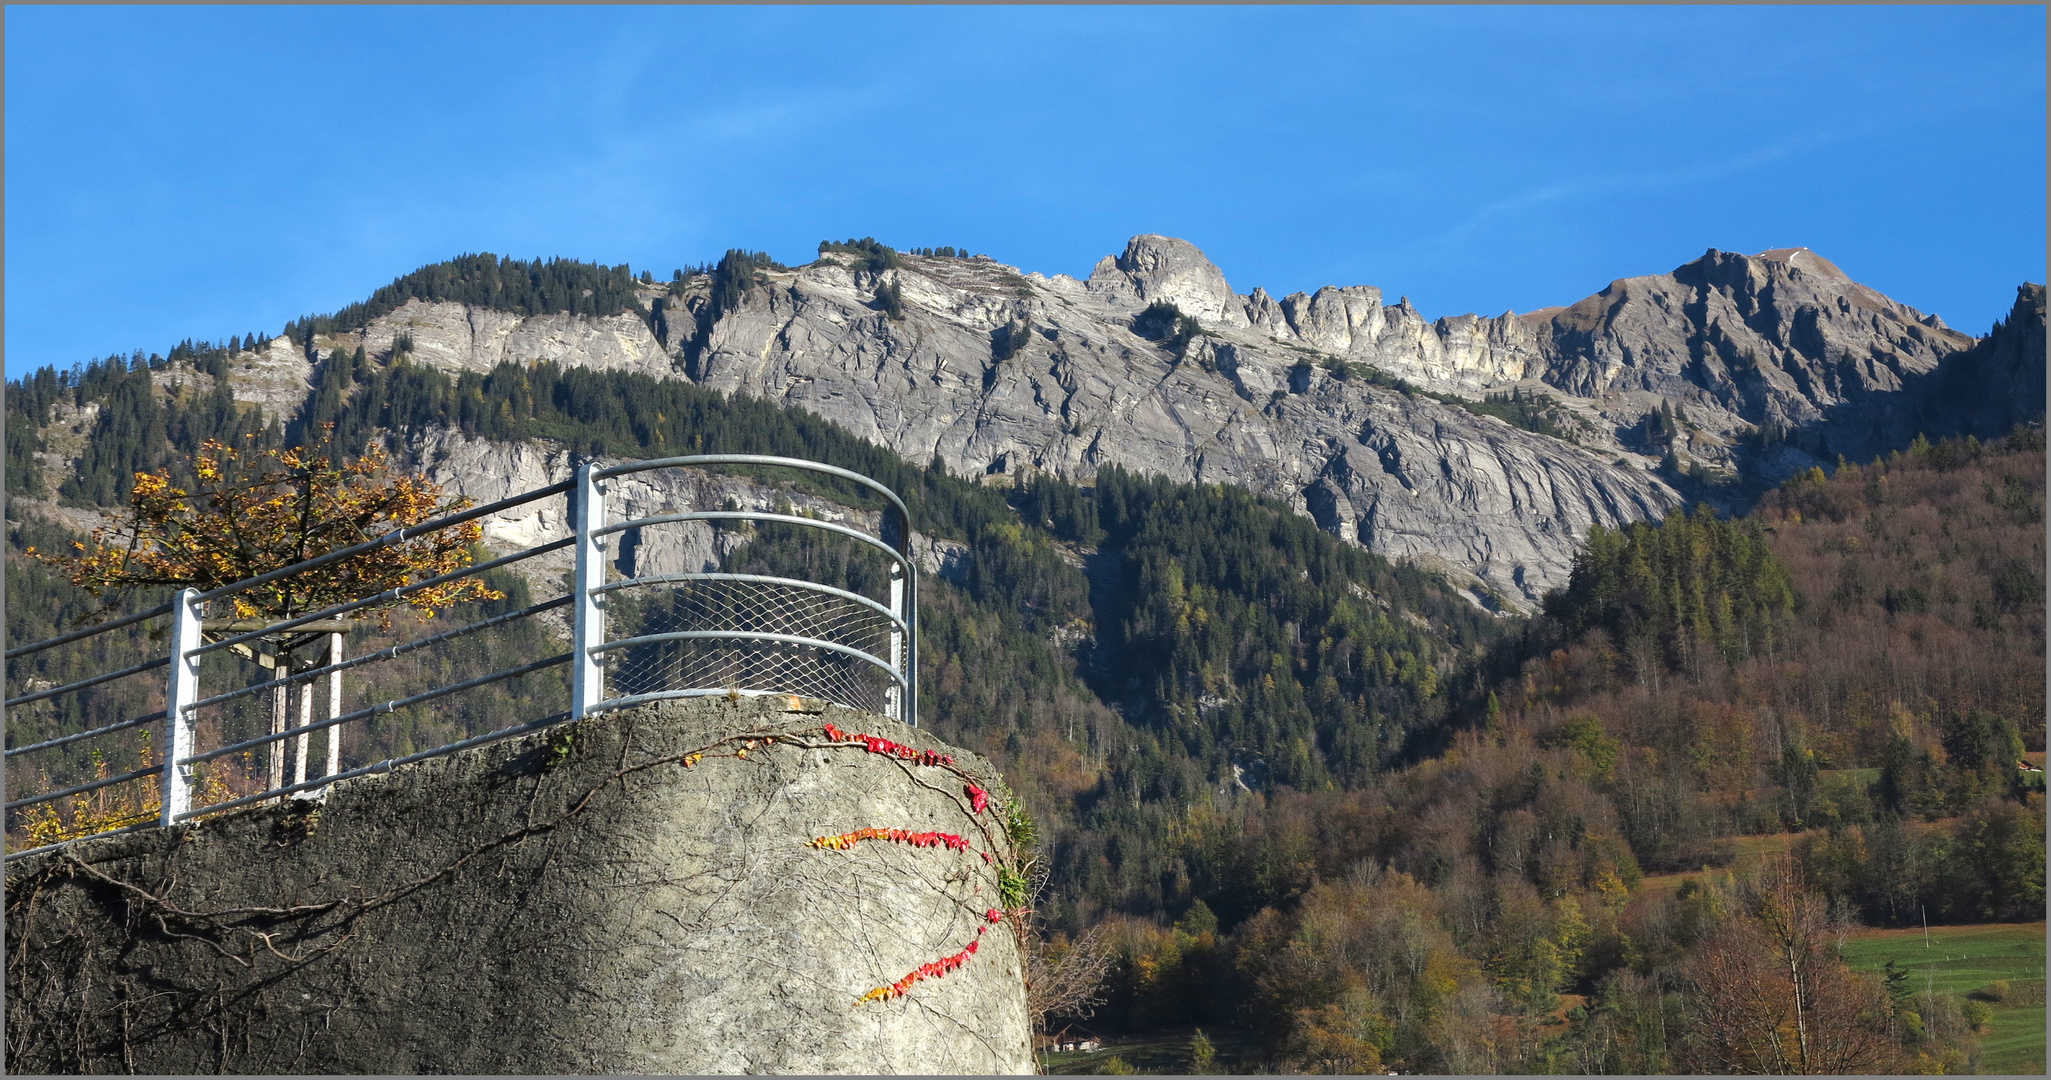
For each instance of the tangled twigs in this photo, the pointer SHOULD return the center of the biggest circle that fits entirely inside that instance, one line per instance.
(162, 912)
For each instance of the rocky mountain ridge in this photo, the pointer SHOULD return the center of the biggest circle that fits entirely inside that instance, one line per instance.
(1347, 408)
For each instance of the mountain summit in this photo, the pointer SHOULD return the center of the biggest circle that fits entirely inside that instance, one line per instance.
(1486, 446)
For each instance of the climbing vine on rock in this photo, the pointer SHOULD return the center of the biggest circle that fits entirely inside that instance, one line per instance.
(1011, 884)
(896, 836)
(934, 970)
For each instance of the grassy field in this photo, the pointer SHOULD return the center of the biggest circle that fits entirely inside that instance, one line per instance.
(1746, 851)
(1963, 959)
(1162, 1053)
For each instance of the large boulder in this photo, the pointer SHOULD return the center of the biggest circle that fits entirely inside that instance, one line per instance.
(635, 893)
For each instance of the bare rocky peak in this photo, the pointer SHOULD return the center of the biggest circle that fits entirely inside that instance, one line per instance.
(1781, 337)
(999, 373)
(1162, 268)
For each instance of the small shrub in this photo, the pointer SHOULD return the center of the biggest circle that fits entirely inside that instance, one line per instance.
(561, 743)
(890, 300)
(1978, 1015)
(1998, 990)
(735, 275)
(876, 257)
(1012, 888)
(1165, 323)
(1007, 341)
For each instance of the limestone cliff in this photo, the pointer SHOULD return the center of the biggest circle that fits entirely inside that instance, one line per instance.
(1781, 338)
(1001, 373)
(1410, 477)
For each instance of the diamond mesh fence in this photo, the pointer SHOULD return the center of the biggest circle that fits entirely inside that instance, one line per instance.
(721, 604)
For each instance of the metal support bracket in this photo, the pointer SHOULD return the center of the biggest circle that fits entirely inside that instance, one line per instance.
(587, 619)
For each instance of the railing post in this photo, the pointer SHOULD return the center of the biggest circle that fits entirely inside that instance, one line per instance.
(893, 697)
(911, 626)
(587, 621)
(334, 708)
(179, 696)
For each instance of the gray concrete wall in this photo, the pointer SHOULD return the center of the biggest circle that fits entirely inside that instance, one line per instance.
(588, 899)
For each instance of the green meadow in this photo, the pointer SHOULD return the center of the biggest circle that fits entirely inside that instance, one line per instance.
(1968, 960)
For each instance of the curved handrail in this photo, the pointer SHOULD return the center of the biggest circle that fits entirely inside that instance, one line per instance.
(900, 550)
(751, 515)
(763, 459)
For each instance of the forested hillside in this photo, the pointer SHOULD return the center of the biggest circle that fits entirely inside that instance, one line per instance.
(1318, 798)
(1851, 676)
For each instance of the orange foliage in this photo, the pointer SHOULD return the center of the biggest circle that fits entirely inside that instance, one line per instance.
(279, 508)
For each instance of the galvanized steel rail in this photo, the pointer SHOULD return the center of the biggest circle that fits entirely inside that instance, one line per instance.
(894, 621)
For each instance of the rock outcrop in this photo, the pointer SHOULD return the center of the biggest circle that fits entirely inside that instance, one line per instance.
(460, 337)
(1246, 404)
(1000, 373)
(1779, 337)
(1982, 391)
(588, 899)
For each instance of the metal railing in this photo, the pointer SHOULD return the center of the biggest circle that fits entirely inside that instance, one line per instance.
(680, 634)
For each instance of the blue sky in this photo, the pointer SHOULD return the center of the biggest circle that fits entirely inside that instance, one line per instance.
(200, 172)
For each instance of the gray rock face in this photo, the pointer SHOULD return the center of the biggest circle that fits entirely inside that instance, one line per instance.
(1261, 399)
(1157, 269)
(1981, 391)
(579, 901)
(463, 338)
(1781, 336)
(275, 375)
(1438, 490)
(1408, 477)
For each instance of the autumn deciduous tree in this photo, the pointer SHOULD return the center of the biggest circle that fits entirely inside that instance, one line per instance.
(270, 510)
(1065, 978)
(274, 509)
(1771, 995)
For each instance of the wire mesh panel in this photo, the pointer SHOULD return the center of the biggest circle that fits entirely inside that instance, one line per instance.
(748, 632)
(829, 609)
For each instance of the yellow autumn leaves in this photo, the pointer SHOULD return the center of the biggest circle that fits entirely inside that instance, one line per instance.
(268, 509)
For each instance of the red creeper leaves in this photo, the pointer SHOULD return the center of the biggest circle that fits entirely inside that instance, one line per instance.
(876, 744)
(934, 970)
(896, 836)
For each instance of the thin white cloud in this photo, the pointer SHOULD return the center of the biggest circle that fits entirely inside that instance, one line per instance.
(1603, 185)
(1497, 209)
